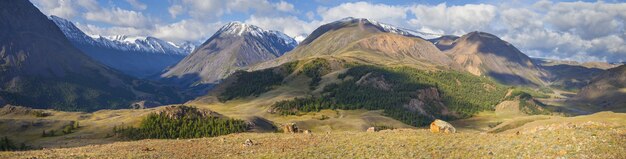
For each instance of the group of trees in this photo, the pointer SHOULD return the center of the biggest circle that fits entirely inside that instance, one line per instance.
(67, 129)
(315, 69)
(251, 83)
(462, 93)
(7, 144)
(160, 126)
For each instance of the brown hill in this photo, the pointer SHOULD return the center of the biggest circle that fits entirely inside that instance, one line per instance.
(605, 92)
(366, 41)
(484, 54)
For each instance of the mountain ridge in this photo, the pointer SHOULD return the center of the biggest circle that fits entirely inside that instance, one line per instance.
(137, 56)
(233, 47)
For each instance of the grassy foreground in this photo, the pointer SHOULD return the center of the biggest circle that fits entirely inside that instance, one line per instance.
(584, 141)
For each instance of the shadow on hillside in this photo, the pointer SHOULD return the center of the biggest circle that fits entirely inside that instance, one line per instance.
(510, 79)
(188, 85)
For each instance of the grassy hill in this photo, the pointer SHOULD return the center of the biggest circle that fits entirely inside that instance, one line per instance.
(595, 136)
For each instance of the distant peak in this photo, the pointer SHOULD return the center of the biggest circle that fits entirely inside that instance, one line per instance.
(239, 28)
(478, 34)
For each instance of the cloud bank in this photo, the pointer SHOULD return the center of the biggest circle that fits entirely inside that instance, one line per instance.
(582, 31)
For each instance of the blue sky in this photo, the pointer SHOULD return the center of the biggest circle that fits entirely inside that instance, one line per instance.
(572, 30)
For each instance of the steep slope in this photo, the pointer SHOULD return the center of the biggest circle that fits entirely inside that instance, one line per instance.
(605, 92)
(483, 54)
(366, 41)
(40, 68)
(233, 47)
(358, 64)
(135, 56)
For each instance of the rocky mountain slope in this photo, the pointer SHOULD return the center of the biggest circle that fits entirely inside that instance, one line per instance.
(484, 54)
(233, 47)
(605, 92)
(40, 68)
(366, 41)
(357, 64)
(137, 56)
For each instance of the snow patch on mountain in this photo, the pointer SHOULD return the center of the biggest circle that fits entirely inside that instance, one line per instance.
(122, 42)
(390, 28)
(240, 29)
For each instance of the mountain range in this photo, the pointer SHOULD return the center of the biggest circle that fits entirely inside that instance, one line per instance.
(348, 80)
(40, 67)
(136, 56)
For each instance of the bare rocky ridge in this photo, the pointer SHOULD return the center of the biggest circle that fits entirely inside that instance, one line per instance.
(445, 42)
(483, 54)
(234, 47)
(366, 41)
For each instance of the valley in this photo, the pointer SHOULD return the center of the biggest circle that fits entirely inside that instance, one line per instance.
(352, 88)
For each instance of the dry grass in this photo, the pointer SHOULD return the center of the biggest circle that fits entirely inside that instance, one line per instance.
(583, 142)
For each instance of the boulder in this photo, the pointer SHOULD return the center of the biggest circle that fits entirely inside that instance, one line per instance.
(290, 128)
(306, 131)
(440, 126)
(371, 129)
(248, 142)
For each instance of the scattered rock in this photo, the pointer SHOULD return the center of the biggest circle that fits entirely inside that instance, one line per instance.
(371, 129)
(148, 149)
(290, 128)
(440, 126)
(248, 142)
(144, 104)
(306, 131)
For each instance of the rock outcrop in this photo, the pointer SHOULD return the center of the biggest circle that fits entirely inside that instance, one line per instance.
(144, 104)
(290, 128)
(440, 126)
(377, 82)
(177, 112)
(428, 99)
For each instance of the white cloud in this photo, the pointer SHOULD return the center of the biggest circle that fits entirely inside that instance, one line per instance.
(61, 8)
(210, 10)
(137, 5)
(175, 10)
(566, 30)
(453, 19)
(120, 17)
(186, 30)
(379, 12)
(289, 25)
(285, 7)
(589, 20)
(95, 30)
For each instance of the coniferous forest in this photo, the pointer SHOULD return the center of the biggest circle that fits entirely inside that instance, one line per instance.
(190, 125)
(462, 93)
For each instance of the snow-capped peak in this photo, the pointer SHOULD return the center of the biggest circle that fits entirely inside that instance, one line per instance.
(387, 27)
(120, 42)
(240, 29)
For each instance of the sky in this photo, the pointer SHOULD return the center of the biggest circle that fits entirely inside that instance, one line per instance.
(566, 30)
